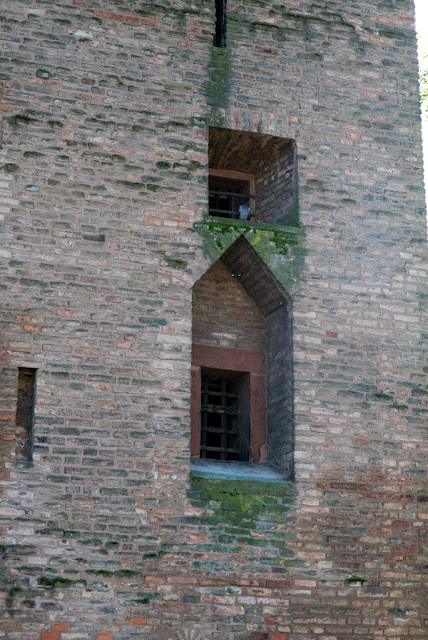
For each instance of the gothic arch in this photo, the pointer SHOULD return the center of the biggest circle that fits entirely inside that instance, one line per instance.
(242, 334)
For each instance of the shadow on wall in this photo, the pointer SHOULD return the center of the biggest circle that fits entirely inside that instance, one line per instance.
(8, 382)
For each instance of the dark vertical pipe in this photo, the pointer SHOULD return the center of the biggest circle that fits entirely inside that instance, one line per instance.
(220, 25)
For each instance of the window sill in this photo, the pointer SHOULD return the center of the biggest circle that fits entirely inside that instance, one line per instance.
(251, 471)
(252, 224)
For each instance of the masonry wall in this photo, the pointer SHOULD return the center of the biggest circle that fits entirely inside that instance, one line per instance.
(224, 315)
(277, 189)
(106, 111)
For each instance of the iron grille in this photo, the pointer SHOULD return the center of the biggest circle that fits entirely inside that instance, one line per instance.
(226, 204)
(224, 434)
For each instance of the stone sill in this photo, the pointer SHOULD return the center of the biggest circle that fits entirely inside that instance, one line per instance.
(251, 471)
(248, 224)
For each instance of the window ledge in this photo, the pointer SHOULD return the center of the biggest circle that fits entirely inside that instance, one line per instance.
(252, 224)
(235, 470)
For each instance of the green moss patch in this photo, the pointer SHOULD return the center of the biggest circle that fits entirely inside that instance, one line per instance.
(280, 247)
(236, 511)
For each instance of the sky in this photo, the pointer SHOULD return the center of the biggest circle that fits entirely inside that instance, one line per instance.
(422, 23)
(422, 31)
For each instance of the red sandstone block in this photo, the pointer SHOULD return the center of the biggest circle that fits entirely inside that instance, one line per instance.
(47, 635)
(59, 627)
(31, 328)
(104, 636)
(400, 524)
(331, 334)
(278, 636)
(6, 416)
(137, 620)
(179, 579)
(155, 579)
(278, 584)
(119, 17)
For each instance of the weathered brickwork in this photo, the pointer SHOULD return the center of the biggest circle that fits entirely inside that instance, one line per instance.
(223, 313)
(106, 111)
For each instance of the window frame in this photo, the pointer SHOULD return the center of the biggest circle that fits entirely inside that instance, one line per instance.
(238, 361)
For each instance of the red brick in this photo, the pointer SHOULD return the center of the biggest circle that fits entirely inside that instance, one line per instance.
(278, 584)
(400, 524)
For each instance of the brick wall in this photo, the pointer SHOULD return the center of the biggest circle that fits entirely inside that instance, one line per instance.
(106, 109)
(224, 315)
(277, 189)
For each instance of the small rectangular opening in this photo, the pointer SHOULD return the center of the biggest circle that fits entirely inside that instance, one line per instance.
(225, 415)
(25, 413)
(228, 190)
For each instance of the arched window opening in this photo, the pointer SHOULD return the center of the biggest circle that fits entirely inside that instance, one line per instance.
(242, 382)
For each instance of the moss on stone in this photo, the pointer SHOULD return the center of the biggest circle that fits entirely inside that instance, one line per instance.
(354, 581)
(10, 167)
(57, 580)
(33, 154)
(381, 396)
(126, 573)
(237, 507)
(280, 247)
(176, 263)
(217, 87)
(20, 118)
(95, 238)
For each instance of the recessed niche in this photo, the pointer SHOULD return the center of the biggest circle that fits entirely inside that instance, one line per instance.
(25, 414)
(242, 363)
(254, 169)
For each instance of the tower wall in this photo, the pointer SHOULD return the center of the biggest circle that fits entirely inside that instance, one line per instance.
(106, 111)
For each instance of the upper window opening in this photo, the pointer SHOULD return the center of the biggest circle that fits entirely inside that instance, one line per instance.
(231, 194)
(220, 23)
(254, 171)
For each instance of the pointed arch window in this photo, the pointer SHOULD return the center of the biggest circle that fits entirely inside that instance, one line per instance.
(242, 375)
